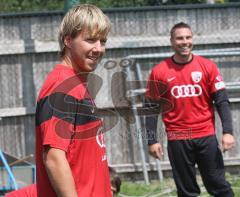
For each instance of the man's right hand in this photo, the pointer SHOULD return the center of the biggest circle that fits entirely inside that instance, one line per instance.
(156, 150)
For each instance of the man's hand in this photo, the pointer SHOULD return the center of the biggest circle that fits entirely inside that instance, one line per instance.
(156, 150)
(228, 142)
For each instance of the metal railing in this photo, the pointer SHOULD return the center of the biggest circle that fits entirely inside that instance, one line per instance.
(12, 183)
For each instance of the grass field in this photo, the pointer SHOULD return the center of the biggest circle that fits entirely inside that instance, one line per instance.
(167, 188)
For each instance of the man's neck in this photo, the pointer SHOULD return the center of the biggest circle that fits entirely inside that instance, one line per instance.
(182, 59)
(66, 61)
(70, 64)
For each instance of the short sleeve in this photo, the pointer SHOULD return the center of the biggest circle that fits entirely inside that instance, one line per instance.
(55, 117)
(155, 86)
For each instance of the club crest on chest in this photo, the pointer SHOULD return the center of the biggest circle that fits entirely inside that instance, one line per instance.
(196, 76)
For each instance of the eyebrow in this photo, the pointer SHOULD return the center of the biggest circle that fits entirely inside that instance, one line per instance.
(183, 36)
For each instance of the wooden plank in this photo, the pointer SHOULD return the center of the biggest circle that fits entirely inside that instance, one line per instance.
(165, 165)
(18, 111)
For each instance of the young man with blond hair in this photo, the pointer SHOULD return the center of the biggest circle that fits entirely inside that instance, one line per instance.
(70, 150)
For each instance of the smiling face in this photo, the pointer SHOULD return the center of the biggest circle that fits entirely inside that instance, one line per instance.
(181, 40)
(84, 52)
(82, 37)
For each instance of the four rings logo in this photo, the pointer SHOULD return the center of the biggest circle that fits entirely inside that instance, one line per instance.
(186, 91)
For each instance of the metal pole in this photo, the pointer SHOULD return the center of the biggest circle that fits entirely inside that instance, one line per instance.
(159, 169)
(138, 127)
(9, 171)
(140, 78)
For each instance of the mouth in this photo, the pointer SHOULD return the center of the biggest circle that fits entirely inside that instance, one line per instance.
(94, 59)
(184, 49)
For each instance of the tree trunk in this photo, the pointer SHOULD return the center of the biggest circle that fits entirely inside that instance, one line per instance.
(210, 1)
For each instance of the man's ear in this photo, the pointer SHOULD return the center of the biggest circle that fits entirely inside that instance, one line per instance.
(68, 41)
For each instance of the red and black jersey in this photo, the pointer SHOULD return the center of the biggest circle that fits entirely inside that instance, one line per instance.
(189, 90)
(65, 120)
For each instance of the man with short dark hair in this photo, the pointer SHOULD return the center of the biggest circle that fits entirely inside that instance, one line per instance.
(193, 83)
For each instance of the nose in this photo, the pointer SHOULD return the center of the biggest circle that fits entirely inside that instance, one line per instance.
(98, 47)
(185, 40)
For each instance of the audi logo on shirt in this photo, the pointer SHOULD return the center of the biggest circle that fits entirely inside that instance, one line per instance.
(189, 90)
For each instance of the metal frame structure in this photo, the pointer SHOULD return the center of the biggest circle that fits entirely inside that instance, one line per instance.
(12, 183)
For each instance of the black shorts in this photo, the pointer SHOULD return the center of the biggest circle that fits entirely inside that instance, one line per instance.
(205, 152)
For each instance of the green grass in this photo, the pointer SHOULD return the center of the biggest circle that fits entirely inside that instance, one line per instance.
(141, 189)
(167, 188)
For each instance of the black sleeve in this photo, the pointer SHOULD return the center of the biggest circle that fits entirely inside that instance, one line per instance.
(151, 125)
(222, 104)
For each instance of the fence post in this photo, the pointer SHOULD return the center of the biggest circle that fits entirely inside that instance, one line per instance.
(138, 126)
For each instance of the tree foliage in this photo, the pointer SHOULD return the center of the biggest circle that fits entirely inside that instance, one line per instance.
(137, 3)
(30, 5)
(43, 5)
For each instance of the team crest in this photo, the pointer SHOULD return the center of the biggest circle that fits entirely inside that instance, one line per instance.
(196, 76)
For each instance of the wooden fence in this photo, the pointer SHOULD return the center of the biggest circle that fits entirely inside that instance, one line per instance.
(28, 51)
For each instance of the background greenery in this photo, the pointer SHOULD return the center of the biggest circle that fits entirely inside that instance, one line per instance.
(167, 188)
(43, 5)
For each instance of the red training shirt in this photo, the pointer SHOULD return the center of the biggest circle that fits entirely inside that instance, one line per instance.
(189, 89)
(65, 120)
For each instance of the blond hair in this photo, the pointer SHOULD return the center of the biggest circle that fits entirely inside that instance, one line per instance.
(83, 17)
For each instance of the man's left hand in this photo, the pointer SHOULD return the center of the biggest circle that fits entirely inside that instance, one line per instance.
(228, 141)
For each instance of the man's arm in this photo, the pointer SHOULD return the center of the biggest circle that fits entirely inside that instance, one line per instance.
(154, 147)
(59, 172)
(222, 104)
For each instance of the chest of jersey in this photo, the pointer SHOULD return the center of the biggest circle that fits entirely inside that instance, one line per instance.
(185, 81)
